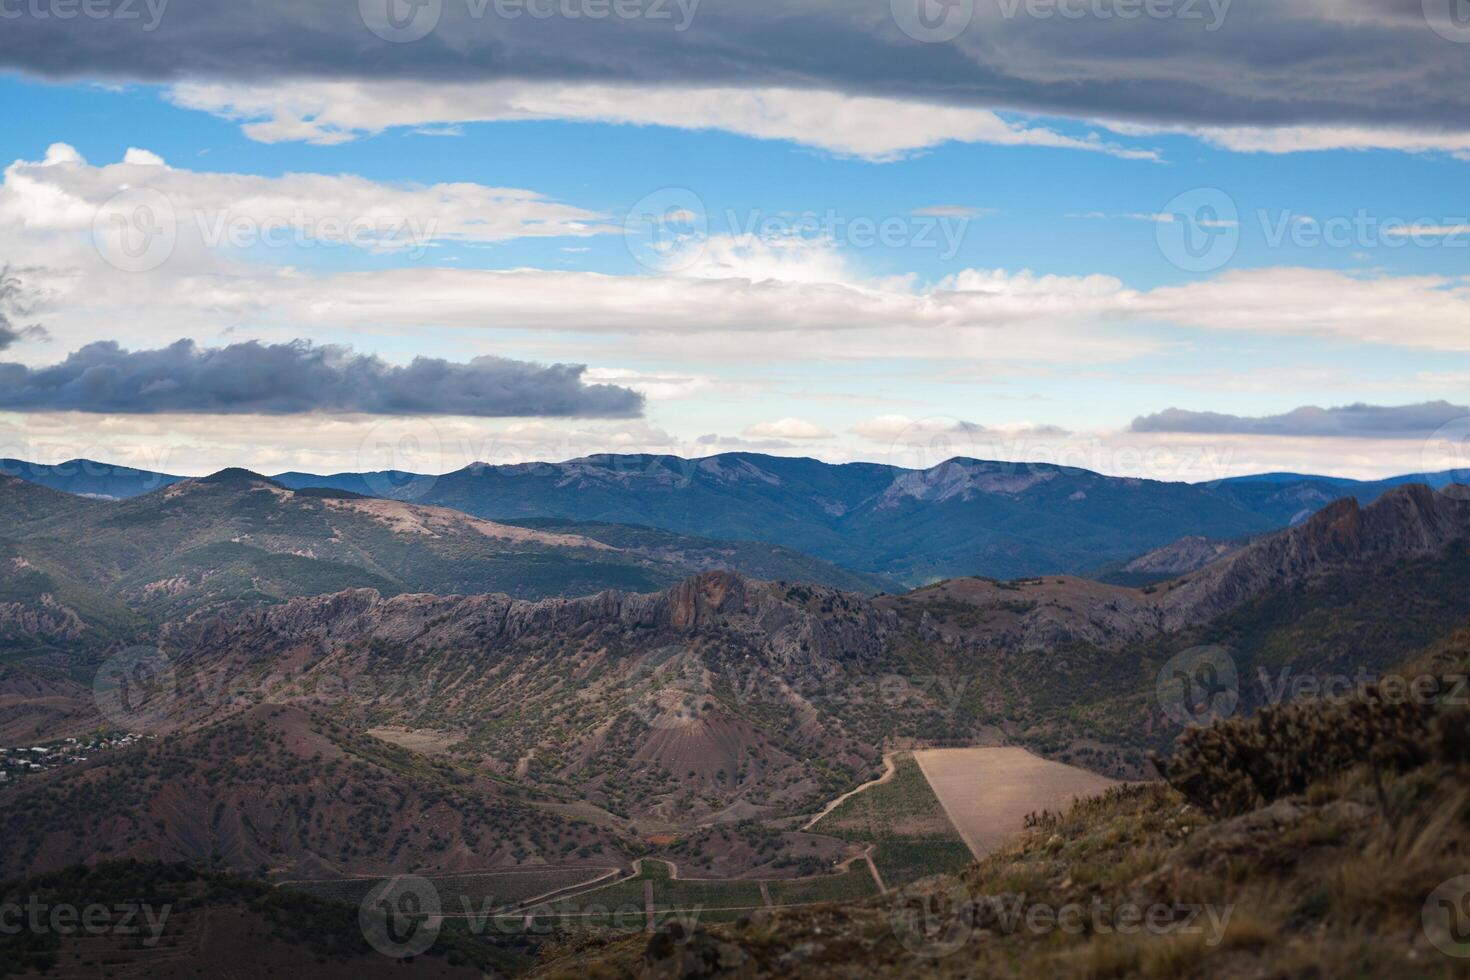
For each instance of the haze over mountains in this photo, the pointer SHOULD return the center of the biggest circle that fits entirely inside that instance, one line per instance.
(906, 527)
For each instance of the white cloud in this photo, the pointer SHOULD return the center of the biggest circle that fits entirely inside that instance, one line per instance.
(800, 295)
(782, 258)
(952, 211)
(64, 193)
(790, 428)
(1425, 311)
(330, 112)
(1310, 139)
(1428, 231)
(892, 428)
(653, 385)
(338, 111)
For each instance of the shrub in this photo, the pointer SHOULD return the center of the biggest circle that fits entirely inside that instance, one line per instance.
(1243, 763)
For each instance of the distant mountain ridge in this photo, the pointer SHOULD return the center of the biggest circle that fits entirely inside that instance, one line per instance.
(77, 569)
(962, 517)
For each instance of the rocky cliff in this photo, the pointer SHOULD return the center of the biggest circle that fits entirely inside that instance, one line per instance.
(1412, 521)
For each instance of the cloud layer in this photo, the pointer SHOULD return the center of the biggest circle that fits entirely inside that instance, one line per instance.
(1374, 63)
(63, 192)
(287, 379)
(1359, 420)
(338, 111)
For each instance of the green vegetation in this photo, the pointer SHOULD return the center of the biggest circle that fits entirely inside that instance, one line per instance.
(1402, 722)
(621, 905)
(853, 884)
(1258, 864)
(903, 819)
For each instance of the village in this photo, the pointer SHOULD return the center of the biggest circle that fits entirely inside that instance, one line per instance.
(22, 761)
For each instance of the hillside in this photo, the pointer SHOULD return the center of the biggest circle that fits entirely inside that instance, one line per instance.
(961, 517)
(77, 571)
(178, 922)
(276, 789)
(88, 478)
(1338, 860)
(719, 692)
(1072, 668)
(725, 697)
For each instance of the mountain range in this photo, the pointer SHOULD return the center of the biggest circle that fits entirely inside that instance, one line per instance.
(717, 700)
(75, 568)
(899, 527)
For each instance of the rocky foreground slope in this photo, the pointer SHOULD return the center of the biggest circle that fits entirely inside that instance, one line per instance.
(1270, 856)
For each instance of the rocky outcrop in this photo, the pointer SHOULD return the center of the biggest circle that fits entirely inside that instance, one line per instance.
(789, 625)
(1182, 557)
(46, 618)
(1412, 521)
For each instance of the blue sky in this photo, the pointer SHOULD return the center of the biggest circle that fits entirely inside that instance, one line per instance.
(879, 277)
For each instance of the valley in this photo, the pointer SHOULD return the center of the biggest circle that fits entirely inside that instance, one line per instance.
(713, 748)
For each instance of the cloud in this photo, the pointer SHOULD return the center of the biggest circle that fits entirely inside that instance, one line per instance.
(1314, 139)
(13, 303)
(286, 379)
(1322, 303)
(1155, 217)
(1358, 420)
(951, 211)
(902, 428)
(653, 385)
(791, 428)
(715, 441)
(803, 295)
(1335, 66)
(327, 113)
(891, 428)
(63, 193)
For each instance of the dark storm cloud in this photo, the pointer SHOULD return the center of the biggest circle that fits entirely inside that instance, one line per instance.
(1221, 62)
(285, 379)
(1363, 421)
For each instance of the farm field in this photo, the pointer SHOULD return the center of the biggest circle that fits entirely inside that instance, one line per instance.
(987, 792)
(853, 884)
(623, 902)
(913, 837)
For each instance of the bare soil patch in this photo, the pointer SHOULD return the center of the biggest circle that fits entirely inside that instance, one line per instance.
(987, 792)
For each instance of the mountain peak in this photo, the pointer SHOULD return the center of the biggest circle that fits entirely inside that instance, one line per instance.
(235, 476)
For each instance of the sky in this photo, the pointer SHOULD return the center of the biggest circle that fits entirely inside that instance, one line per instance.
(1174, 239)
